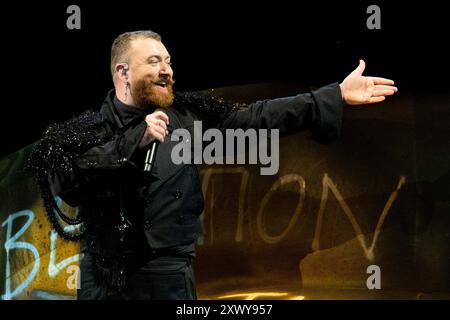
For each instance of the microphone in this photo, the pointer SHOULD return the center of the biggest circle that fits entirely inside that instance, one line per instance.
(151, 152)
(151, 155)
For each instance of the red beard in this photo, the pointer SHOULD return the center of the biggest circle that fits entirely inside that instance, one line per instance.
(146, 94)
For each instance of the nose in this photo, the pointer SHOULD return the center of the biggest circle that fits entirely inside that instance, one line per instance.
(166, 69)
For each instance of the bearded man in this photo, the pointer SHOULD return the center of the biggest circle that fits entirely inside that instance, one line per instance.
(138, 229)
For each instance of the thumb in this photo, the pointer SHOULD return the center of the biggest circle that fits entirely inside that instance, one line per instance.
(360, 69)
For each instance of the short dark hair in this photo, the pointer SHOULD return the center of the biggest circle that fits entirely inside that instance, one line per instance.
(121, 45)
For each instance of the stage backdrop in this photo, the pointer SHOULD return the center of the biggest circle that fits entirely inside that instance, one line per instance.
(373, 209)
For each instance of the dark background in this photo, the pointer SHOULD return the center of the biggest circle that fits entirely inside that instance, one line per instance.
(52, 73)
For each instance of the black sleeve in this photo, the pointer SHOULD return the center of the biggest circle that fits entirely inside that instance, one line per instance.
(319, 111)
(94, 168)
(113, 154)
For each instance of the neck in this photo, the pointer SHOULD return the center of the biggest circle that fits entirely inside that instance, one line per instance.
(125, 97)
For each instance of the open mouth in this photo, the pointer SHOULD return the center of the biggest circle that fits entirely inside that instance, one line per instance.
(161, 84)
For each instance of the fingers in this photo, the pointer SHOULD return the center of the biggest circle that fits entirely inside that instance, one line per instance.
(385, 87)
(152, 132)
(376, 99)
(379, 93)
(156, 132)
(383, 90)
(159, 123)
(159, 129)
(361, 67)
(156, 126)
(377, 80)
(157, 118)
(162, 116)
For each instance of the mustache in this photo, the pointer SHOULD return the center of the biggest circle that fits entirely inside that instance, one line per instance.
(166, 81)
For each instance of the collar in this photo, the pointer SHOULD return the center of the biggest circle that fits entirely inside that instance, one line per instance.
(119, 113)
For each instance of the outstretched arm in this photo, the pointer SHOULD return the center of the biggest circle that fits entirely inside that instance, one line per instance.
(357, 89)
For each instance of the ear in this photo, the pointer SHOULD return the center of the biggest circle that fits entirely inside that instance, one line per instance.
(122, 71)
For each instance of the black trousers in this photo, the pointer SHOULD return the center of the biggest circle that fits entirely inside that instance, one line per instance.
(162, 277)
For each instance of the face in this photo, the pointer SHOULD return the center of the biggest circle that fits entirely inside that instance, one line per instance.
(151, 76)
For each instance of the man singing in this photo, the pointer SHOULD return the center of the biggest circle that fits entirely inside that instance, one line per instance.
(139, 228)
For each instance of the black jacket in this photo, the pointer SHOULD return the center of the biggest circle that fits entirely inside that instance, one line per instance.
(163, 208)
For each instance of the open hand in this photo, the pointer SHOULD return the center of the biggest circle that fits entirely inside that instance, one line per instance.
(357, 89)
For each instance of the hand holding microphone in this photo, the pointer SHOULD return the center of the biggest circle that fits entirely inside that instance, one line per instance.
(154, 134)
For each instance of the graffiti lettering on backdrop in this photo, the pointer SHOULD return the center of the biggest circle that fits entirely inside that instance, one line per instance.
(20, 255)
(327, 184)
(29, 247)
(12, 244)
